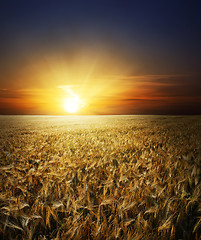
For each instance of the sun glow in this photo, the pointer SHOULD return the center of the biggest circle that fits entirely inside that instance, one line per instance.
(71, 105)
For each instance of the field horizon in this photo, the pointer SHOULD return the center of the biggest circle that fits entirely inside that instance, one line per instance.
(85, 115)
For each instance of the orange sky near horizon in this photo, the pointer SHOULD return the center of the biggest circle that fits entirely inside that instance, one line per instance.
(44, 93)
(105, 85)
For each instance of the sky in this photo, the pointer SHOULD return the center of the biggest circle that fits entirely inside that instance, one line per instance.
(113, 57)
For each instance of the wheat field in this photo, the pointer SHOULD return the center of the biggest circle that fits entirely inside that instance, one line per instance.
(100, 177)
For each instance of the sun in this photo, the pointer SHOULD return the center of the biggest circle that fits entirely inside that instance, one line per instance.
(71, 105)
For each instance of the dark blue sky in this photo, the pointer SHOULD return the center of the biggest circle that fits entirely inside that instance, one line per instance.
(167, 31)
(151, 37)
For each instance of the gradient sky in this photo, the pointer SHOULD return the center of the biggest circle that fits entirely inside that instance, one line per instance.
(119, 57)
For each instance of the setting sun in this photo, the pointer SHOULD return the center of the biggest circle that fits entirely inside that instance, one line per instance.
(71, 105)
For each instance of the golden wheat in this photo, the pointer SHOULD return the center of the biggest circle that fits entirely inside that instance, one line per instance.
(100, 177)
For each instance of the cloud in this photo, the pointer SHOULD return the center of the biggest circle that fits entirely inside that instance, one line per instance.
(163, 85)
(142, 100)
